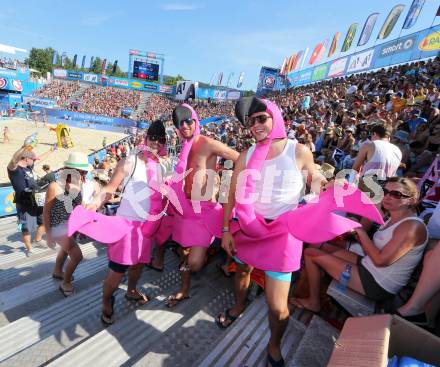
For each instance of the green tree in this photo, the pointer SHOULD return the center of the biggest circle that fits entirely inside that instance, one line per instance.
(41, 59)
(172, 80)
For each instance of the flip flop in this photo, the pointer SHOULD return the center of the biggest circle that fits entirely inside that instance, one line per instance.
(273, 363)
(228, 319)
(107, 319)
(419, 319)
(142, 299)
(65, 292)
(173, 301)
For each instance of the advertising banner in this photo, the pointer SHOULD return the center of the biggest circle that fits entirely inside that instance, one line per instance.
(59, 73)
(21, 73)
(7, 207)
(319, 72)
(168, 89)
(360, 61)
(92, 78)
(12, 85)
(74, 75)
(337, 68)
(184, 90)
(40, 102)
(368, 29)
(233, 95)
(397, 51)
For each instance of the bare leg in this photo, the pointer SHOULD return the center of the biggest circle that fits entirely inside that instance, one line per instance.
(27, 240)
(75, 257)
(194, 260)
(427, 292)
(39, 233)
(133, 276)
(277, 293)
(111, 284)
(242, 281)
(59, 262)
(317, 261)
(159, 258)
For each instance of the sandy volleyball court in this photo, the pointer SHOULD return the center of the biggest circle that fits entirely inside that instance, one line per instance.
(85, 140)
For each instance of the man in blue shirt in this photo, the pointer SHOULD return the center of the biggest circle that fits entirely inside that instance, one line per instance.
(415, 121)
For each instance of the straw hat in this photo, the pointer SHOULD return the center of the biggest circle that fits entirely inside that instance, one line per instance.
(78, 160)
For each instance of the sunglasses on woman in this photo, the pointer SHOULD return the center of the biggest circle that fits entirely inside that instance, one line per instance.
(395, 194)
(261, 119)
(189, 122)
(160, 139)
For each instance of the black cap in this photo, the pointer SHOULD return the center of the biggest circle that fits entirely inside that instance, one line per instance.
(156, 129)
(247, 106)
(181, 113)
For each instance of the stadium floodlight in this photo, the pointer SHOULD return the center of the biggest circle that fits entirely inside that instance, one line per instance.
(11, 49)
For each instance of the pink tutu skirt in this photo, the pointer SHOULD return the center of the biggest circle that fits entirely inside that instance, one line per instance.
(133, 248)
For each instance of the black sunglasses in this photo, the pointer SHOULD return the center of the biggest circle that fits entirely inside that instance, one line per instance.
(395, 194)
(250, 121)
(189, 122)
(160, 139)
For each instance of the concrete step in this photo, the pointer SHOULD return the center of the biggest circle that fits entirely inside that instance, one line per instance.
(244, 343)
(39, 265)
(43, 335)
(316, 345)
(156, 335)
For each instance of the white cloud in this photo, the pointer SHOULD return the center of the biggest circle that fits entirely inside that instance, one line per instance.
(179, 7)
(96, 20)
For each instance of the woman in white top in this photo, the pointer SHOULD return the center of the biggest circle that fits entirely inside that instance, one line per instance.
(391, 256)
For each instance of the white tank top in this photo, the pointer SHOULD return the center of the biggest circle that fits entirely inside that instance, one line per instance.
(281, 184)
(386, 159)
(135, 203)
(394, 277)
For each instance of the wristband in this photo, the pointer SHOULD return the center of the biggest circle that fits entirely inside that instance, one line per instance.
(225, 229)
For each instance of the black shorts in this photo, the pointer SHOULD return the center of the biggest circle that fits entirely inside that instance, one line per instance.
(372, 289)
(21, 216)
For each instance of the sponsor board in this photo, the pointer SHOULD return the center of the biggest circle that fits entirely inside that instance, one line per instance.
(360, 61)
(166, 89)
(319, 72)
(17, 85)
(60, 73)
(337, 67)
(136, 85)
(92, 78)
(431, 42)
(184, 90)
(40, 102)
(73, 75)
(150, 87)
(305, 76)
(396, 47)
(269, 81)
(234, 95)
(3, 83)
(220, 94)
(121, 82)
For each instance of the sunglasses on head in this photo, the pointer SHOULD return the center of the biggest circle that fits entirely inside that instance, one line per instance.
(160, 139)
(395, 194)
(250, 121)
(189, 122)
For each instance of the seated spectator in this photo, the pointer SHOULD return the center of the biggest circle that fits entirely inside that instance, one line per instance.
(391, 256)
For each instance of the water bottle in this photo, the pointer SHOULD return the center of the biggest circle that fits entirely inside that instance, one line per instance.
(344, 278)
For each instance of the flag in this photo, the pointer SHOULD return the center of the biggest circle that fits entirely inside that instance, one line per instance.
(283, 66)
(74, 61)
(316, 53)
(334, 44)
(229, 78)
(426, 184)
(295, 63)
(438, 12)
(220, 78)
(413, 13)
(115, 65)
(368, 29)
(91, 62)
(322, 51)
(390, 22)
(63, 56)
(290, 64)
(55, 58)
(83, 62)
(103, 66)
(349, 37)
(304, 58)
(240, 80)
(212, 78)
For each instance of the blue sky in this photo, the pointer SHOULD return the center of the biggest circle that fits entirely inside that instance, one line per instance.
(198, 38)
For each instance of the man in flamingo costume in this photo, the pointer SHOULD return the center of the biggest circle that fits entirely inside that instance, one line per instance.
(266, 186)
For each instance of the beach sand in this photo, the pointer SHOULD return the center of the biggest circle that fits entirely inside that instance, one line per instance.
(84, 140)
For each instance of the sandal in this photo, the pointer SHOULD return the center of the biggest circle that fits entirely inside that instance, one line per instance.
(226, 273)
(107, 319)
(66, 293)
(173, 301)
(273, 363)
(419, 319)
(228, 319)
(141, 298)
